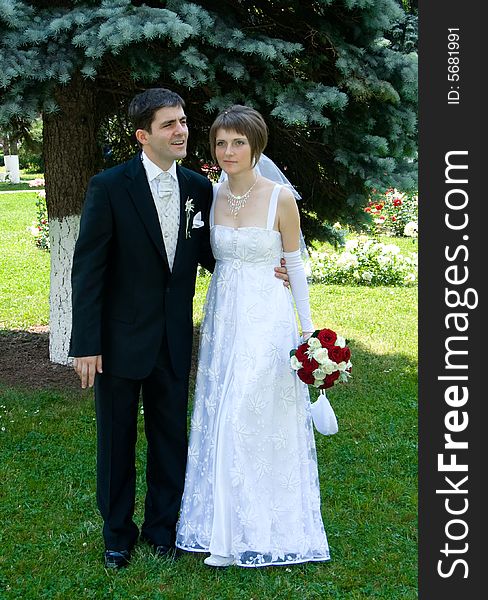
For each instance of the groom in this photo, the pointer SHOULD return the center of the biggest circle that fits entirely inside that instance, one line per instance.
(143, 232)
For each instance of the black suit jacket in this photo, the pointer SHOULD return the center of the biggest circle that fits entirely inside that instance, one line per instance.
(124, 296)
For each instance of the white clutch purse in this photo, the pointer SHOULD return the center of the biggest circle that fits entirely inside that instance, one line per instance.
(323, 415)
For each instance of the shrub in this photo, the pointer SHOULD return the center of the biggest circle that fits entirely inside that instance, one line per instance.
(392, 211)
(364, 262)
(40, 227)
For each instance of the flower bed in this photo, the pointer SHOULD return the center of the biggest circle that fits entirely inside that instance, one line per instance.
(364, 262)
(394, 213)
(40, 227)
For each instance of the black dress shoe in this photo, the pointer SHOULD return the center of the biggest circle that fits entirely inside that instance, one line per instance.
(116, 559)
(161, 550)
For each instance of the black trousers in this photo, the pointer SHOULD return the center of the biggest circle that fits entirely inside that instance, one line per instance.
(165, 401)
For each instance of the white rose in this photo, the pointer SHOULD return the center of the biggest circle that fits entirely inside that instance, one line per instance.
(295, 363)
(340, 341)
(351, 245)
(346, 259)
(329, 366)
(342, 366)
(320, 355)
(319, 374)
(411, 229)
(314, 343)
(392, 249)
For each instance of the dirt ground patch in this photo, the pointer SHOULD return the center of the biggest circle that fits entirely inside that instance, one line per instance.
(24, 362)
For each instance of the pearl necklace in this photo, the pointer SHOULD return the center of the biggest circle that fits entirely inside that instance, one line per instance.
(237, 202)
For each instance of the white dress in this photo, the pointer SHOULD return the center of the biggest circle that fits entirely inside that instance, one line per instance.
(252, 487)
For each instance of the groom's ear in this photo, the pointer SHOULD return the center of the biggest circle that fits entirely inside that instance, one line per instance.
(141, 136)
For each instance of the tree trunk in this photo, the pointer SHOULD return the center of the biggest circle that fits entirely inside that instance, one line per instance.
(71, 158)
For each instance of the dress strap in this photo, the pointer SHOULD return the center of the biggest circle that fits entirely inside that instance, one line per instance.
(273, 205)
(215, 189)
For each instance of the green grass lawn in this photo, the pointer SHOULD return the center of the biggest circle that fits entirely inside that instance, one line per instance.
(25, 177)
(50, 540)
(24, 269)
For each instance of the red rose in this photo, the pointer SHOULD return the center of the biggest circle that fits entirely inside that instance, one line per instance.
(305, 376)
(329, 380)
(335, 354)
(309, 365)
(346, 354)
(300, 354)
(397, 202)
(327, 337)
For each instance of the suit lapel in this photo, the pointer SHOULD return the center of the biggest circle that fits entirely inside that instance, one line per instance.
(140, 194)
(184, 185)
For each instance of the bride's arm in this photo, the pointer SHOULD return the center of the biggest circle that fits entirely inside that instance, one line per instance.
(289, 227)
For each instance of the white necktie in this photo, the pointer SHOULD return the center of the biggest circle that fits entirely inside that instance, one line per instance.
(169, 213)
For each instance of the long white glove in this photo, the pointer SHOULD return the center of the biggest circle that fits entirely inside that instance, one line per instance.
(299, 288)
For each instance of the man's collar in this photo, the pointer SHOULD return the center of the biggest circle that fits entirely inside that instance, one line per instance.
(153, 170)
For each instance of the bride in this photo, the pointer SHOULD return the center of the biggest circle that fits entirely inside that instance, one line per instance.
(251, 493)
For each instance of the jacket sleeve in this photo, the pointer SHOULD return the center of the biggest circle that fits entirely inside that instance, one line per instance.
(90, 262)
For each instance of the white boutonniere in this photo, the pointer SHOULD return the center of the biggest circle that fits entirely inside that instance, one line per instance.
(189, 208)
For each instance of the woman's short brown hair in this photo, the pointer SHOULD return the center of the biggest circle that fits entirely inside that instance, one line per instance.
(246, 121)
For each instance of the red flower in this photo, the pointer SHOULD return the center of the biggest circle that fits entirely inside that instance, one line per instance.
(335, 354)
(327, 337)
(393, 218)
(329, 380)
(379, 206)
(306, 377)
(367, 209)
(397, 202)
(305, 373)
(300, 354)
(309, 364)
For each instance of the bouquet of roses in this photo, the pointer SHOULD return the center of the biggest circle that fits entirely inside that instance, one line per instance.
(322, 360)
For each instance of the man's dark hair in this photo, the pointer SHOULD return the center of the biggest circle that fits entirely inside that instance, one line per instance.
(144, 106)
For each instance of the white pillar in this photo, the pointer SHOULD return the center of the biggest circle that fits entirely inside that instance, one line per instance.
(12, 167)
